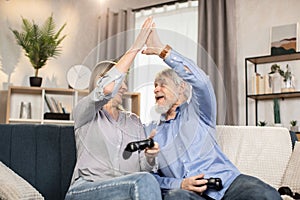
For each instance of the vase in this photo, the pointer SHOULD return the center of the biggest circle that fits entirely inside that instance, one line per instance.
(288, 85)
(25, 110)
(294, 128)
(276, 82)
(35, 81)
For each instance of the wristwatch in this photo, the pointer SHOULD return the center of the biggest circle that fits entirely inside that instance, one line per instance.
(164, 52)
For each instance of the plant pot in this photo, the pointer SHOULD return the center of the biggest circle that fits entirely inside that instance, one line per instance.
(294, 128)
(35, 81)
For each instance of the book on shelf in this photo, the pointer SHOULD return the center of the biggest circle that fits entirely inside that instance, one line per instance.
(49, 103)
(54, 105)
(258, 84)
(60, 108)
(268, 84)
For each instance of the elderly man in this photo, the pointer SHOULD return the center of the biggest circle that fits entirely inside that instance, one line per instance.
(186, 135)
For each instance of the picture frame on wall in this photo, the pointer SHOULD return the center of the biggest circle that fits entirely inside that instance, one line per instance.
(284, 39)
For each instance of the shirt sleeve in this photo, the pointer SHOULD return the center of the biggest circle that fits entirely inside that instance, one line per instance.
(167, 182)
(145, 166)
(203, 96)
(87, 107)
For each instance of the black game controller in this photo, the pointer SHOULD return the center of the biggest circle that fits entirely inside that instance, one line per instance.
(137, 146)
(213, 183)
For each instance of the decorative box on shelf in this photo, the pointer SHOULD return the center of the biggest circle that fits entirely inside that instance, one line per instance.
(57, 116)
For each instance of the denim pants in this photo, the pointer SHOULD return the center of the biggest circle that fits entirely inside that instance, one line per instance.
(136, 186)
(244, 187)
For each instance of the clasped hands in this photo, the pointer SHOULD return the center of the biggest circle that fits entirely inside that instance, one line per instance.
(148, 36)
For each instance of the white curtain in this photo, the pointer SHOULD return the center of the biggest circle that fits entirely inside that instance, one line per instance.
(114, 36)
(177, 26)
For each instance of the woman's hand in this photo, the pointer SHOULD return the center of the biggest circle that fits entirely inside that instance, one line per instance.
(126, 60)
(143, 35)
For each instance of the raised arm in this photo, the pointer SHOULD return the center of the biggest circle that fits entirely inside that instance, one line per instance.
(203, 96)
(107, 85)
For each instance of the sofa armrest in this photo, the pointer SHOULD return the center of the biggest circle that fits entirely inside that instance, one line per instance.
(291, 176)
(262, 152)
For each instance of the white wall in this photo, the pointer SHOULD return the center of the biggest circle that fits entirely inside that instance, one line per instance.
(82, 26)
(254, 21)
(81, 30)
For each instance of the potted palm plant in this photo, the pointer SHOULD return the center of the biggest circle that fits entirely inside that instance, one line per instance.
(39, 43)
(294, 126)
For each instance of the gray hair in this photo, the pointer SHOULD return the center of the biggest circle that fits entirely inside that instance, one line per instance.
(178, 81)
(100, 69)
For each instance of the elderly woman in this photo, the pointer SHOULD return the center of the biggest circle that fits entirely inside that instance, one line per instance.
(102, 131)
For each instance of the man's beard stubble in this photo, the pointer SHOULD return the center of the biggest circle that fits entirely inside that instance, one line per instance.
(162, 109)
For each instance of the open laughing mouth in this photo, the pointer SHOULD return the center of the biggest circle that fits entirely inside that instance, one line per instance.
(159, 98)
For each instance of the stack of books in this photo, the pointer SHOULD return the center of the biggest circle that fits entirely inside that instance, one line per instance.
(57, 111)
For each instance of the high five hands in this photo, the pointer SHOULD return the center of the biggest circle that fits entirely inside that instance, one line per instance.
(148, 35)
(153, 43)
(144, 33)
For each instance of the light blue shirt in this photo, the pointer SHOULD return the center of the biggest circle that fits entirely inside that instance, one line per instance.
(188, 144)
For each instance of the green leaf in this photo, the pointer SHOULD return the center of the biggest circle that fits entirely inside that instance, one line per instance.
(39, 43)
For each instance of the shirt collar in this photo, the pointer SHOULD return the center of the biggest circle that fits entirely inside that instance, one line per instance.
(178, 110)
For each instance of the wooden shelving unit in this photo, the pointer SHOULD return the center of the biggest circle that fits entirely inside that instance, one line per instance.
(255, 61)
(36, 95)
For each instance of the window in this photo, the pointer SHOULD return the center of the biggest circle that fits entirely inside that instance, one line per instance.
(177, 25)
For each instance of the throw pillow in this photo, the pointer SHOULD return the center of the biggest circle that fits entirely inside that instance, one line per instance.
(292, 174)
(12, 186)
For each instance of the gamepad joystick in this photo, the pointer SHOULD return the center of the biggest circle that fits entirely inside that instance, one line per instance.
(137, 146)
(213, 183)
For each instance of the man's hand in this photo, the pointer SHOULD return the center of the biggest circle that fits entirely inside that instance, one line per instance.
(154, 45)
(151, 153)
(192, 184)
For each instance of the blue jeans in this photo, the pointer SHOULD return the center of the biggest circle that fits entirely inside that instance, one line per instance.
(247, 187)
(136, 186)
(180, 194)
(242, 188)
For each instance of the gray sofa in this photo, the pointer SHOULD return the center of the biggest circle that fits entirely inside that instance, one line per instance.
(44, 155)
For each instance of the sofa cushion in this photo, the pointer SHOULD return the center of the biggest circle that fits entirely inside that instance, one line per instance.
(291, 177)
(262, 152)
(12, 186)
